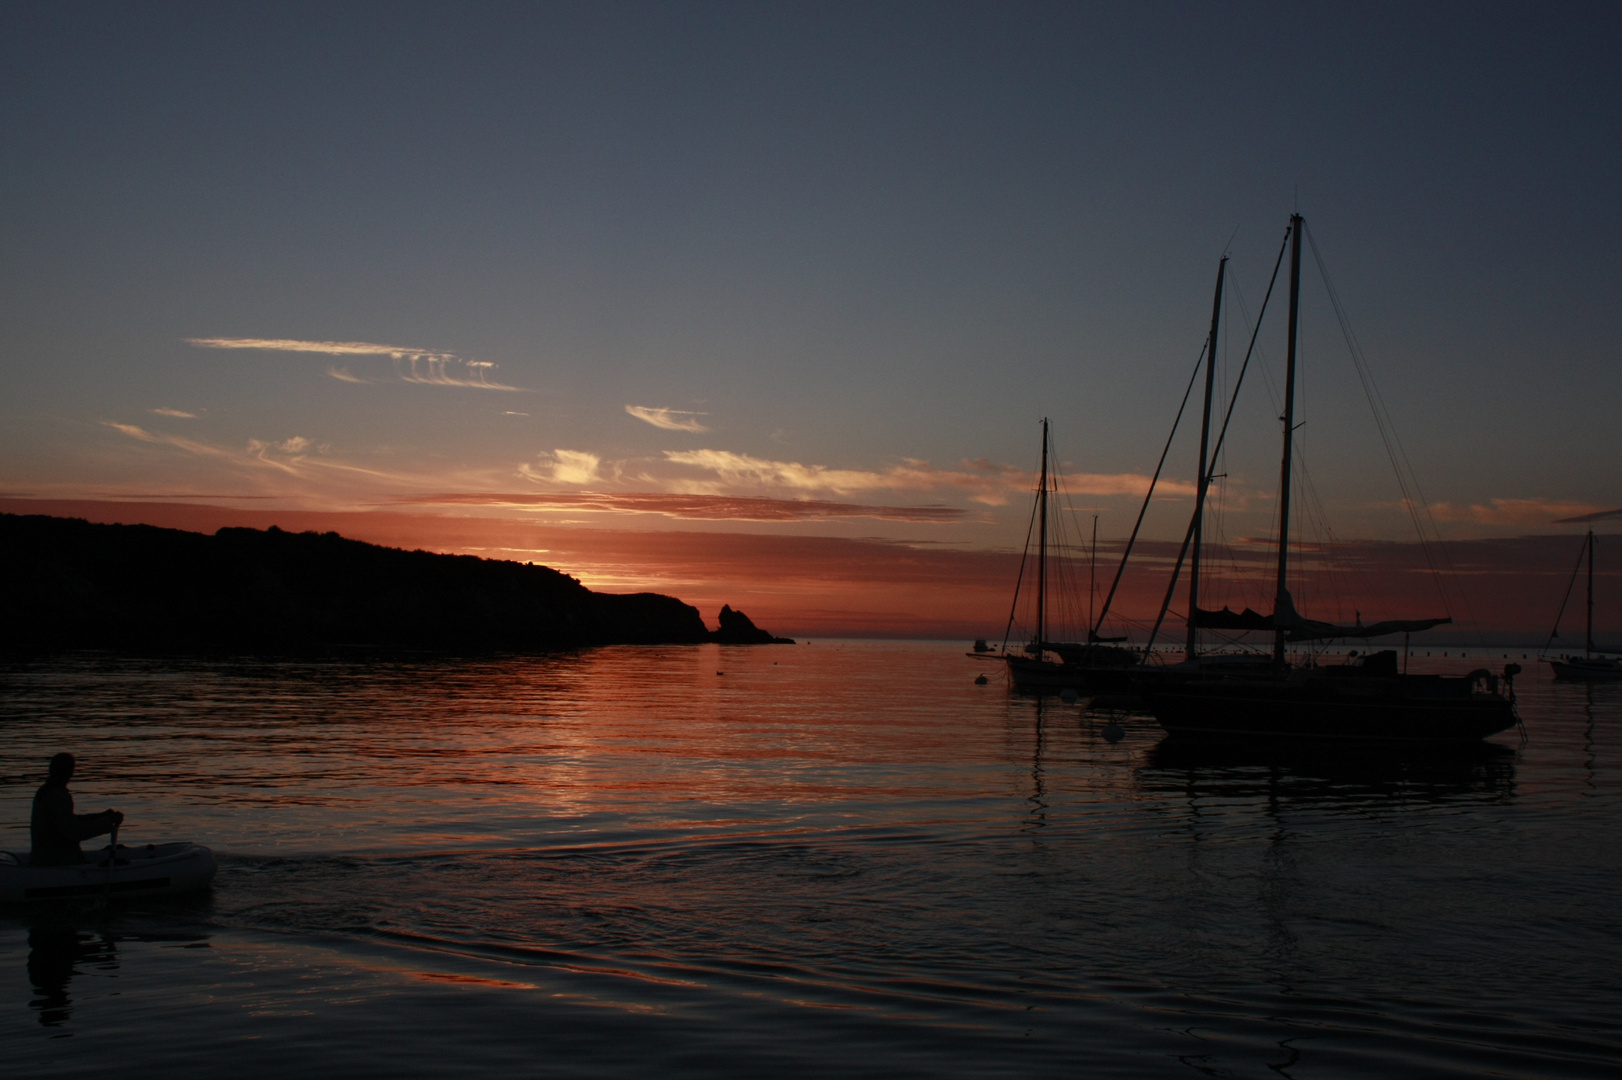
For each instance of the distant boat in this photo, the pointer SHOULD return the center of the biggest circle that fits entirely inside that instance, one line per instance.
(1042, 664)
(1368, 698)
(1593, 665)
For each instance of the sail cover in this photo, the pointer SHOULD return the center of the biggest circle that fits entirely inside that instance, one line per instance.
(1299, 628)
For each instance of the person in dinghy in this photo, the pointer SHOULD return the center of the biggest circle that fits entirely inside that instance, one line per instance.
(55, 829)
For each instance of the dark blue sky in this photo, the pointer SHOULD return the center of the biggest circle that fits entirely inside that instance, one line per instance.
(843, 239)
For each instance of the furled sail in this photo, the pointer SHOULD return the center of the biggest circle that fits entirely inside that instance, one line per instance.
(1300, 628)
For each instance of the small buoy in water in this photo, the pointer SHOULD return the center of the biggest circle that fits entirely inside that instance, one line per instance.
(980, 680)
(720, 673)
(1113, 732)
(1068, 695)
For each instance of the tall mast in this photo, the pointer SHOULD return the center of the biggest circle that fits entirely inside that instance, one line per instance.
(1042, 550)
(1204, 477)
(1289, 440)
(1588, 646)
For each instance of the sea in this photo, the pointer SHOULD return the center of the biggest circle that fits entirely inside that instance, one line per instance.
(841, 858)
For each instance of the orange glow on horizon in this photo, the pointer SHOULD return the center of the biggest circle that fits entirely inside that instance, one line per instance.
(821, 586)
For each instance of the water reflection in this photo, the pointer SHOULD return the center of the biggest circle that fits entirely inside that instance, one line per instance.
(56, 950)
(1348, 776)
(853, 831)
(1037, 815)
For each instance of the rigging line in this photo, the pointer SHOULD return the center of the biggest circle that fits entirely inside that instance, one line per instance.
(1260, 315)
(1165, 605)
(1575, 570)
(1061, 557)
(1388, 436)
(1024, 555)
(1228, 415)
(1330, 567)
(1233, 400)
(1338, 566)
(1244, 313)
(1133, 539)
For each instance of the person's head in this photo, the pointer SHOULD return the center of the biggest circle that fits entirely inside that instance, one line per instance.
(62, 768)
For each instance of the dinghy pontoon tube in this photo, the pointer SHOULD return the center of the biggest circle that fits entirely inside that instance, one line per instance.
(153, 870)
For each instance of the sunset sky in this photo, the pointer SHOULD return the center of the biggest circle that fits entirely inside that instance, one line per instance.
(764, 303)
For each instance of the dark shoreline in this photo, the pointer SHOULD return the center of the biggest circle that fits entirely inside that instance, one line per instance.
(71, 585)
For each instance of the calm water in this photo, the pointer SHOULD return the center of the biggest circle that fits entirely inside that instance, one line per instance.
(836, 858)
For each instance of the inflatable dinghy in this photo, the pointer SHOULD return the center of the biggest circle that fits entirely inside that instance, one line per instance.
(153, 870)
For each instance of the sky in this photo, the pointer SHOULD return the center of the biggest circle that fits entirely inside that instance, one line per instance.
(617, 286)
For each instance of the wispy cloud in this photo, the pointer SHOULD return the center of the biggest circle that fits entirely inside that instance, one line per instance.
(563, 467)
(191, 446)
(1520, 512)
(697, 507)
(668, 419)
(1588, 519)
(321, 475)
(177, 413)
(330, 348)
(425, 366)
(984, 481)
(257, 452)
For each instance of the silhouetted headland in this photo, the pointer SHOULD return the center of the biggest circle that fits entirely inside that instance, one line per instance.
(738, 629)
(71, 584)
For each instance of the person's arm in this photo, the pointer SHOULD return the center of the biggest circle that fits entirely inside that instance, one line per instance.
(76, 827)
(88, 825)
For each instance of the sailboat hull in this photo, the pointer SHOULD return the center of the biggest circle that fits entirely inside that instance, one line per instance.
(1431, 712)
(1028, 673)
(1605, 669)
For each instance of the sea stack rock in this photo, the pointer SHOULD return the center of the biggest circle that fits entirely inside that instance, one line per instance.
(738, 629)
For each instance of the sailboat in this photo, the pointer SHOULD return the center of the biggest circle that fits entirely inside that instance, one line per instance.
(1592, 665)
(1367, 698)
(1042, 664)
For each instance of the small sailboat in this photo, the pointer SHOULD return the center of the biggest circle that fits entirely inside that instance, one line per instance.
(1251, 696)
(1043, 664)
(1593, 665)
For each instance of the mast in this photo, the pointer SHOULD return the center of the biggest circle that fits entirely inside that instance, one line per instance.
(1042, 550)
(1205, 441)
(1281, 596)
(1588, 645)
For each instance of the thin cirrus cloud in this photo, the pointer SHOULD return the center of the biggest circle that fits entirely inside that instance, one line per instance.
(1588, 519)
(696, 507)
(291, 456)
(257, 450)
(311, 463)
(422, 366)
(1534, 511)
(984, 481)
(178, 414)
(668, 419)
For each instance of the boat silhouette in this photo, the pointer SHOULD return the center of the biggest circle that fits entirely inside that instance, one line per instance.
(1252, 696)
(1593, 665)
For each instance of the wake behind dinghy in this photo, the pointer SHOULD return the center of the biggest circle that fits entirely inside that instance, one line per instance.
(149, 871)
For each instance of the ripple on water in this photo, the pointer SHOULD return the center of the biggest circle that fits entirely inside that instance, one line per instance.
(845, 857)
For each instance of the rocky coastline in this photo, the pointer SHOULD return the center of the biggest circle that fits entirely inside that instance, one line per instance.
(71, 584)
